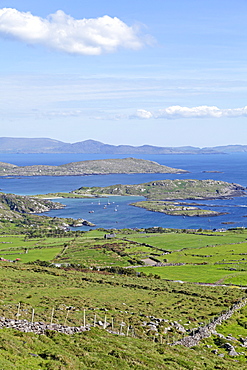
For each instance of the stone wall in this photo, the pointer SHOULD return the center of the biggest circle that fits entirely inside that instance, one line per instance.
(39, 327)
(205, 331)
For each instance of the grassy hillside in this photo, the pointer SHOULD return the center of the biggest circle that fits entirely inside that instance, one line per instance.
(134, 301)
(144, 310)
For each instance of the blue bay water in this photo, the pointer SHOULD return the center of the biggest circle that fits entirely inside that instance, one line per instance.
(231, 167)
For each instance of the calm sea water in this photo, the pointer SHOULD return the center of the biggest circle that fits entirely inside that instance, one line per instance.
(119, 214)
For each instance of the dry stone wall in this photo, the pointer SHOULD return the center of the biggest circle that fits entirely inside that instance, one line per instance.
(205, 331)
(39, 327)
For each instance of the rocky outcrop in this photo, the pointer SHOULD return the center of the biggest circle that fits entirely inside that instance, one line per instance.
(26, 204)
(18, 208)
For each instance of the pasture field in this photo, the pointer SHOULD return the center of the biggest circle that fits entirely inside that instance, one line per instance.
(141, 303)
(29, 250)
(193, 257)
(172, 241)
(91, 253)
(131, 300)
(198, 273)
(226, 253)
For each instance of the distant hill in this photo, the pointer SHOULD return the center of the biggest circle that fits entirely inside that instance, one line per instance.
(26, 145)
(232, 148)
(46, 145)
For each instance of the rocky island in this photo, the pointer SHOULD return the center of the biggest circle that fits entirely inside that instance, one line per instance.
(169, 190)
(160, 193)
(90, 167)
(176, 209)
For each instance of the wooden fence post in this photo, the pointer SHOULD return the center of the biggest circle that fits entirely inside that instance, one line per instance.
(32, 315)
(84, 317)
(18, 310)
(52, 314)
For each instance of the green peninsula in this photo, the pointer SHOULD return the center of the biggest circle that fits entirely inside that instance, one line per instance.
(20, 212)
(90, 167)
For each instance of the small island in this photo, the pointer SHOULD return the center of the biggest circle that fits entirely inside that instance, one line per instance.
(176, 209)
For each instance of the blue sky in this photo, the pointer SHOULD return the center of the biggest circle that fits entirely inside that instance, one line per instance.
(166, 73)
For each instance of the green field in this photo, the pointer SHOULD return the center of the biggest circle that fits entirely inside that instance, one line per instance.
(128, 298)
(93, 281)
(29, 250)
(202, 274)
(172, 241)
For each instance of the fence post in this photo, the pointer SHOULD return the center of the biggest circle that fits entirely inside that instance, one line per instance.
(84, 317)
(32, 315)
(52, 314)
(18, 310)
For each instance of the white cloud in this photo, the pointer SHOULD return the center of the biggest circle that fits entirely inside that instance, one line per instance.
(62, 32)
(142, 113)
(204, 111)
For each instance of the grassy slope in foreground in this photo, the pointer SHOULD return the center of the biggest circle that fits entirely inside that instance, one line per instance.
(128, 299)
(92, 167)
(170, 189)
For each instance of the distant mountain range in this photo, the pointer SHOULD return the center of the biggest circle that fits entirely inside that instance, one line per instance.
(45, 145)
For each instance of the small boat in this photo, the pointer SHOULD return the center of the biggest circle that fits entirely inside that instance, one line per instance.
(91, 212)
